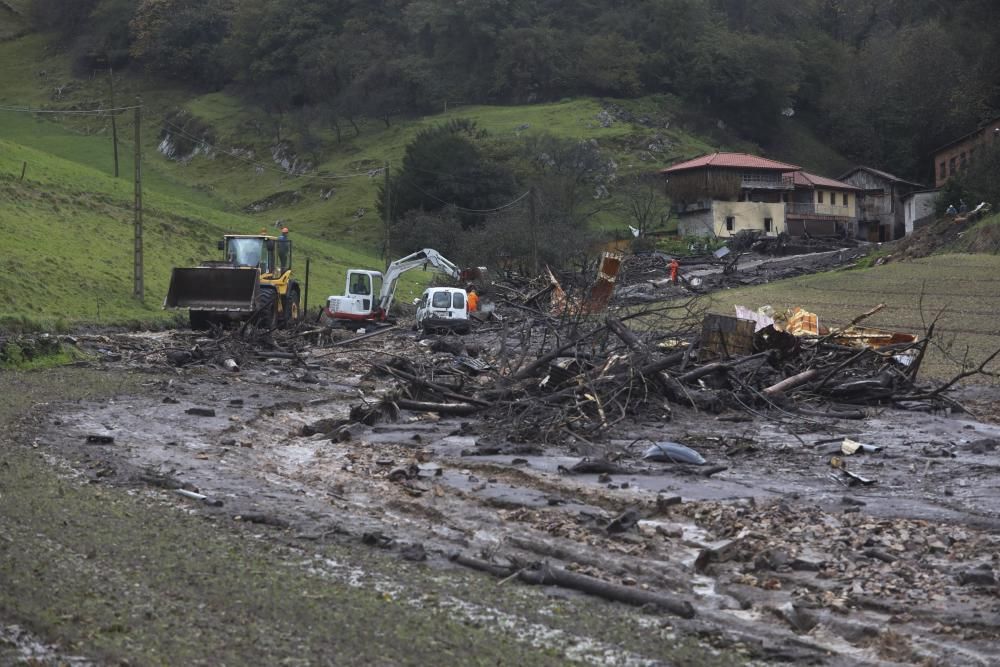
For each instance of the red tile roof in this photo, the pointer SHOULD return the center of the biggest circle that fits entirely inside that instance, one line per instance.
(731, 161)
(803, 179)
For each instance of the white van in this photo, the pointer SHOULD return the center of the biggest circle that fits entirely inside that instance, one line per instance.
(443, 308)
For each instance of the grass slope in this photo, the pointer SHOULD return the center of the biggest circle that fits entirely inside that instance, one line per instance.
(13, 18)
(69, 220)
(964, 289)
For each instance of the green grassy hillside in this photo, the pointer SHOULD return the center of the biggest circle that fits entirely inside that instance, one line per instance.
(69, 221)
(13, 18)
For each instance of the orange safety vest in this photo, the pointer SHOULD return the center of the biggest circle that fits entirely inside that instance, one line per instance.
(473, 301)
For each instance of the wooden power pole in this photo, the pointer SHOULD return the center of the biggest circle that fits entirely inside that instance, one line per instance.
(114, 124)
(138, 290)
(388, 214)
(534, 230)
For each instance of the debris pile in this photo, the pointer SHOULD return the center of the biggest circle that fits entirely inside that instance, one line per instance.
(537, 378)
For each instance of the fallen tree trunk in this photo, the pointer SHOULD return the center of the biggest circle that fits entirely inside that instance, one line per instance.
(708, 369)
(440, 408)
(439, 388)
(546, 575)
(676, 392)
(791, 382)
(625, 334)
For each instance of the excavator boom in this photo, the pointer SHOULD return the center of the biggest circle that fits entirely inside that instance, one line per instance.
(427, 256)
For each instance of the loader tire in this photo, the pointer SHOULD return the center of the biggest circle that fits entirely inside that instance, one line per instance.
(200, 320)
(265, 315)
(292, 309)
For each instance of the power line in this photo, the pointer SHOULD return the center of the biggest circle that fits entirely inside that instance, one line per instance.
(82, 112)
(496, 209)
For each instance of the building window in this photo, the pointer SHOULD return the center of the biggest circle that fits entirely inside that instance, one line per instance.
(951, 167)
(961, 160)
(845, 199)
(943, 172)
(819, 196)
(972, 151)
(768, 224)
(730, 223)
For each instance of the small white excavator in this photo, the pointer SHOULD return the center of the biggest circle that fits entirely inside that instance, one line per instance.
(369, 294)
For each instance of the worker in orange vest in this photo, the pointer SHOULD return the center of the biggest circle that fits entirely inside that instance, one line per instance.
(473, 300)
(674, 266)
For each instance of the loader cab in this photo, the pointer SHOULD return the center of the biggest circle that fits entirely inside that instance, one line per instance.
(259, 252)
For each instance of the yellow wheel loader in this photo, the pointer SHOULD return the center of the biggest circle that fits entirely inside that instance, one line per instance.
(253, 282)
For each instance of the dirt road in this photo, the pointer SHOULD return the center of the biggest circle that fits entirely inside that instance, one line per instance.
(315, 548)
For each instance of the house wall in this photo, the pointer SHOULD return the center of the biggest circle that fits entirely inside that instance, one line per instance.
(952, 159)
(746, 215)
(916, 207)
(819, 227)
(837, 207)
(867, 181)
(880, 209)
(696, 223)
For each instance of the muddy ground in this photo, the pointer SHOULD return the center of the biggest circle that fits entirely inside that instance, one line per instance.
(779, 555)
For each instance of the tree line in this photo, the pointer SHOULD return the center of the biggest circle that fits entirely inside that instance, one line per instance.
(883, 81)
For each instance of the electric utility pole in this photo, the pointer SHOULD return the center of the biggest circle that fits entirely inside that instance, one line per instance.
(138, 290)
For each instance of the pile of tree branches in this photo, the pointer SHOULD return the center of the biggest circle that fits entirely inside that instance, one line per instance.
(533, 378)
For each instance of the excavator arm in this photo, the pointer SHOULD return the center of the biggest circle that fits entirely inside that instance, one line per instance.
(421, 258)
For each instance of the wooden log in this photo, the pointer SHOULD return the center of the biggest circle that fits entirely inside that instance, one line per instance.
(667, 573)
(365, 336)
(440, 408)
(791, 382)
(831, 414)
(699, 399)
(708, 369)
(655, 367)
(546, 575)
(445, 391)
(547, 358)
(625, 334)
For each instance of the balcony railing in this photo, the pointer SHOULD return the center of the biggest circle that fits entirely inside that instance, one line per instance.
(811, 208)
(764, 181)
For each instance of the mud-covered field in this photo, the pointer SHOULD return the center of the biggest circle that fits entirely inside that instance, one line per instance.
(199, 515)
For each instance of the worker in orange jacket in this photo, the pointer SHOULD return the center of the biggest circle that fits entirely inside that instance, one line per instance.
(473, 299)
(674, 266)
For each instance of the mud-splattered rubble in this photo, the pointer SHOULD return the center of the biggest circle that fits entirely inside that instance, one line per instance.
(777, 551)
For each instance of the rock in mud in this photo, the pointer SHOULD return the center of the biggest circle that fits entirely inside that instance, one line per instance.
(623, 522)
(982, 575)
(414, 552)
(323, 426)
(179, 357)
(984, 445)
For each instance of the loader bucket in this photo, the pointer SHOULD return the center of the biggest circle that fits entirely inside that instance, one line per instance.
(211, 288)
